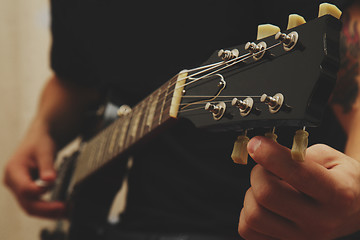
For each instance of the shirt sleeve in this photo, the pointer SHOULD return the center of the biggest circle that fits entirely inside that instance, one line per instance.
(70, 58)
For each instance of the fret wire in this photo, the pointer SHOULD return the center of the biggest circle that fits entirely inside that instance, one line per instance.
(152, 110)
(130, 134)
(92, 153)
(144, 120)
(125, 131)
(106, 155)
(167, 102)
(97, 150)
(115, 134)
(101, 150)
(119, 128)
(99, 147)
(137, 121)
(162, 105)
(139, 131)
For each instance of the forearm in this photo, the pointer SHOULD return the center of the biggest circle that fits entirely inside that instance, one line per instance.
(62, 109)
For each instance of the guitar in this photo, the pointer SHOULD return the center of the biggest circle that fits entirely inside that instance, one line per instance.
(280, 80)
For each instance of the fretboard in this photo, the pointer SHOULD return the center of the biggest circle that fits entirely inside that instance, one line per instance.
(128, 130)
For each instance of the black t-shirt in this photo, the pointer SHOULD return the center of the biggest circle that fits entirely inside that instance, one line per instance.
(184, 180)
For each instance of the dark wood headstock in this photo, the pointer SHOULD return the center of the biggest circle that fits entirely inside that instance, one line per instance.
(305, 76)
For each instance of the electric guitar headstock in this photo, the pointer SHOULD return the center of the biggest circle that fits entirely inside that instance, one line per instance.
(281, 79)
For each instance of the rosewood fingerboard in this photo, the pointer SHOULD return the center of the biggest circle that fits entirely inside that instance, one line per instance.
(128, 130)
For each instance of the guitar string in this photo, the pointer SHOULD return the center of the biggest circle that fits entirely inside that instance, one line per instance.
(208, 96)
(229, 65)
(212, 66)
(203, 69)
(232, 63)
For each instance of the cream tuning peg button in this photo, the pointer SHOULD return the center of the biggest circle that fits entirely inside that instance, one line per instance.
(240, 154)
(327, 8)
(299, 146)
(266, 30)
(295, 20)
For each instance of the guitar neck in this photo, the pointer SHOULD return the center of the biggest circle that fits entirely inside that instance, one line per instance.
(147, 116)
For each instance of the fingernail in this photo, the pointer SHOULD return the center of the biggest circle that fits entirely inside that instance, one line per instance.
(253, 145)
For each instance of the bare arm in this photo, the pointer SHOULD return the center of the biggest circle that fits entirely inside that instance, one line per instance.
(60, 114)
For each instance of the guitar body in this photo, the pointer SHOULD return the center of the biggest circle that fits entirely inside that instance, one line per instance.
(90, 203)
(305, 76)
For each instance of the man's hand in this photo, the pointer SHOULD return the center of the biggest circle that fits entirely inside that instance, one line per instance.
(34, 157)
(315, 199)
(60, 117)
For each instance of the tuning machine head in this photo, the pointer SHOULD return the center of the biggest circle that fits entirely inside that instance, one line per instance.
(274, 103)
(245, 106)
(227, 55)
(217, 110)
(258, 50)
(289, 40)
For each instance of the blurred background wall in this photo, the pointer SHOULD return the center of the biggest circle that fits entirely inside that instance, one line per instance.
(24, 67)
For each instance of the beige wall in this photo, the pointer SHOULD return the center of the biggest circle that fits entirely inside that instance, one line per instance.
(24, 67)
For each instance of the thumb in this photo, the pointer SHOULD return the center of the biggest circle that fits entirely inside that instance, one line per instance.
(301, 175)
(45, 160)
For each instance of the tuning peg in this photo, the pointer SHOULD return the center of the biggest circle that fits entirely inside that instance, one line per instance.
(299, 146)
(258, 50)
(217, 110)
(295, 20)
(240, 154)
(245, 106)
(289, 40)
(272, 135)
(266, 30)
(274, 103)
(227, 55)
(327, 8)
